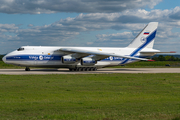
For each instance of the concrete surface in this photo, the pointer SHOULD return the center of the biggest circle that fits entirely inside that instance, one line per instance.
(99, 71)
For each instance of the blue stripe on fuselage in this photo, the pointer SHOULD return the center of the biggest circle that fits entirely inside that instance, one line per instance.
(148, 40)
(55, 57)
(33, 57)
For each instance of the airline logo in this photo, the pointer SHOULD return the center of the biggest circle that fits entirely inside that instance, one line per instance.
(143, 39)
(41, 57)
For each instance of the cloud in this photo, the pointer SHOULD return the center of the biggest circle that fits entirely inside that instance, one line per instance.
(78, 6)
(8, 28)
(118, 39)
(114, 37)
(175, 13)
(133, 20)
(30, 25)
(64, 31)
(45, 35)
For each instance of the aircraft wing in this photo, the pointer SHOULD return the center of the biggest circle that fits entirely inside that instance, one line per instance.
(98, 54)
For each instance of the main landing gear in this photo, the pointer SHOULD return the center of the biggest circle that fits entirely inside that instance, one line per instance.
(83, 69)
(27, 69)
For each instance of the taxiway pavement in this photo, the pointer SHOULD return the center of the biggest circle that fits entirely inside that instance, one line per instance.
(99, 71)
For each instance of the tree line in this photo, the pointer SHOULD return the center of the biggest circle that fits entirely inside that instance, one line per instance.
(165, 58)
(1, 56)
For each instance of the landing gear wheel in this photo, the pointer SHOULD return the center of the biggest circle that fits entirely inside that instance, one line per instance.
(75, 69)
(83, 69)
(88, 69)
(94, 69)
(91, 69)
(27, 69)
(79, 69)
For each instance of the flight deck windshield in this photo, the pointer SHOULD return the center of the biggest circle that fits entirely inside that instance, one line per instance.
(20, 49)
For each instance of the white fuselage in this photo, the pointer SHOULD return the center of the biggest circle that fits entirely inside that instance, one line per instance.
(37, 56)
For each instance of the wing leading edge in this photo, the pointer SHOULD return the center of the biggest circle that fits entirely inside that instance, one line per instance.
(97, 55)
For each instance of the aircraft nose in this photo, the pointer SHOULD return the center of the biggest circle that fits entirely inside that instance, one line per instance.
(4, 59)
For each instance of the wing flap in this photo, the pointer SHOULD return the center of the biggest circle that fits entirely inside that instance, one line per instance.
(98, 54)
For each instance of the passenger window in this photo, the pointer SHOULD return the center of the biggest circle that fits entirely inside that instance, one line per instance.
(20, 49)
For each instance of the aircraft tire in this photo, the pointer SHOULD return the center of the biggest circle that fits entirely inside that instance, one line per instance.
(71, 69)
(94, 69)
(83, 69)
(88, 69)
(27, 69)
(80, 69)
(91, 69)
(76, 69)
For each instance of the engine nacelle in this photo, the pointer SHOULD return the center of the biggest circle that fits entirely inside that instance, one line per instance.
(88, 61)
(68, 59)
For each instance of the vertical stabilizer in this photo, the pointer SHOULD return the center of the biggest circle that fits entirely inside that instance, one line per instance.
(145, 39)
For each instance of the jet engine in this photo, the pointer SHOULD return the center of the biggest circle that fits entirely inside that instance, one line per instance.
(88, 61)
(68, 59)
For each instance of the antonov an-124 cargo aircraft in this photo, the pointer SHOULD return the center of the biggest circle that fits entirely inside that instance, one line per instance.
(86, 58)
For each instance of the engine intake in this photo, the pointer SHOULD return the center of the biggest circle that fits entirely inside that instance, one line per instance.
(68, 59)
(88, 61)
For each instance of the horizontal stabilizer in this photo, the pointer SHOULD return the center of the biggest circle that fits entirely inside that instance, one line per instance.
(153, 52)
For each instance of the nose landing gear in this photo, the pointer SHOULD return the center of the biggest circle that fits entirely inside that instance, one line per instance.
(27, 69)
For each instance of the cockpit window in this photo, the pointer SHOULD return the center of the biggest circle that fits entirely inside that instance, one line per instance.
(20, 49)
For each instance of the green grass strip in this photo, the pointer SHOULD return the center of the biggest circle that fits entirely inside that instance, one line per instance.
(141, 64)
(90, 97)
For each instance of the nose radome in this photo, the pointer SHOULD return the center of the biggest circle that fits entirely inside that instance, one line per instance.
(4, 58)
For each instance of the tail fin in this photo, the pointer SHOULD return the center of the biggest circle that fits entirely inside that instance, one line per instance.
(145, 39)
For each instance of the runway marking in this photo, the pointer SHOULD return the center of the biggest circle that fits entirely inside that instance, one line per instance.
(99, 71)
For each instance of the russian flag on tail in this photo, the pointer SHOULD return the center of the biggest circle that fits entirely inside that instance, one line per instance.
(146, 33)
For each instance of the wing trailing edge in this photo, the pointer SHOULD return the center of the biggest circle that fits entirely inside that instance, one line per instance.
(100, 55)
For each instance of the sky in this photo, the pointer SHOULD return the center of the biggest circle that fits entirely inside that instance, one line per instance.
(91, 23)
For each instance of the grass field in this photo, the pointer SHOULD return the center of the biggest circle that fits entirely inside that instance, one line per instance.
(141, 64)
(8, 66)
(92, 97)
(153, 64)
